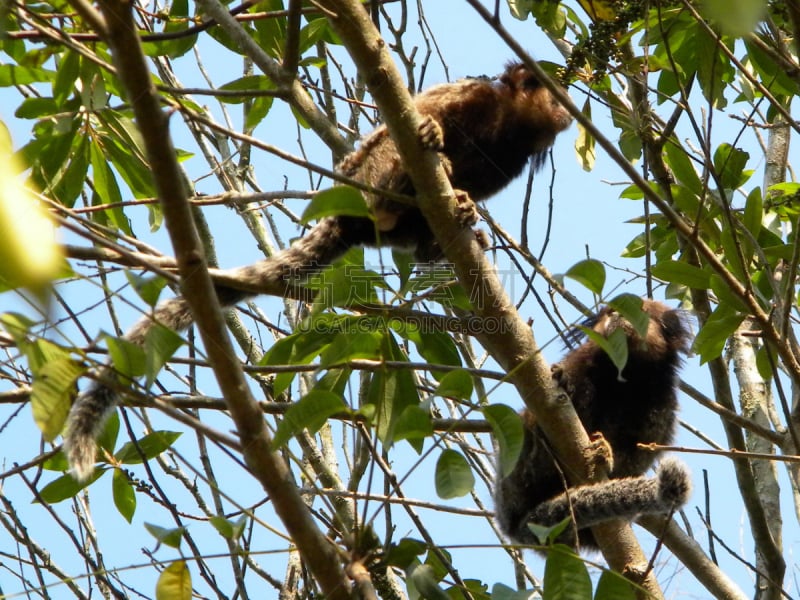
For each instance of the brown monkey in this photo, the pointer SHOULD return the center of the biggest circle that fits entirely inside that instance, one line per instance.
(485, 131)
(621, 411)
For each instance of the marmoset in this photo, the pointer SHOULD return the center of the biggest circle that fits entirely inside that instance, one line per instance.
(485, 131)
(619, 411)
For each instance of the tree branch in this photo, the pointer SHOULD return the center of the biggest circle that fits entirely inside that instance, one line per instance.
(198, 289)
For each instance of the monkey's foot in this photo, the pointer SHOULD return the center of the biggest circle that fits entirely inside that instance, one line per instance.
(466, 211)
(598, 455)
(430, 134)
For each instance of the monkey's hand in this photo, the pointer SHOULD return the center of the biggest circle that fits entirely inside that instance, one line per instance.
(430, 134)
(598, 455)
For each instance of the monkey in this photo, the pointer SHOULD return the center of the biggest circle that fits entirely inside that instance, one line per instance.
(619, 410)
(485, 132)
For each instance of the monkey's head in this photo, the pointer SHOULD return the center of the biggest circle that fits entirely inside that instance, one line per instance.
(535, 106)
(668, 333)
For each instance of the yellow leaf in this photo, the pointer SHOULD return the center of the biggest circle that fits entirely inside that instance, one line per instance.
(29, 254)
(175, 582)
(584, 143)
(599, 10)
(53, 385)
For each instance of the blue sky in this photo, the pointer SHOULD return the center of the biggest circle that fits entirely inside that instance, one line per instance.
(588, 217)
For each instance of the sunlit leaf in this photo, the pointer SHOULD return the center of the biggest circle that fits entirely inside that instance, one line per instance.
(23, 218)
(175, 582)
(590, 273)
(338, 200)
(53, 388)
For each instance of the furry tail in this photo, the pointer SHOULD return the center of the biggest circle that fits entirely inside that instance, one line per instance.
(623, 498)
(326, 242)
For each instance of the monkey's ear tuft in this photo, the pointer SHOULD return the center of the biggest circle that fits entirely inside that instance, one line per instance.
(675, 326)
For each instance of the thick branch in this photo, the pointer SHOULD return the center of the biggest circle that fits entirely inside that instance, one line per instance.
(511, 342)
(197, 287)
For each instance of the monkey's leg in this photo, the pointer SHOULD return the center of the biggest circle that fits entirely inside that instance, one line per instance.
(623, 498)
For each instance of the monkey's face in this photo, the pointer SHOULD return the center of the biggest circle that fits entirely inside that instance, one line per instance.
(667, 330)
(533, 103)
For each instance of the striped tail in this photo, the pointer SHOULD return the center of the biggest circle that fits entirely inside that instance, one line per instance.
(326, 242)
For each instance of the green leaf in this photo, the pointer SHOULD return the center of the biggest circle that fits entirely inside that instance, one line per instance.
(435, 347)
(454, 476)
(629, 307)
(128, 358)
(615, 345)
(66, 486)
(509, 432)
(175, 582)
(310, 412)
(414, 425)
(168, 537)
(711, 339)
(298, 348)
(107, 440)
(124, 494)
(230, 530)
(613, 586)
(683, 273)
(503, 592)
(247, 85)
(13, 75)
(316, 30)
(729, 163)
(401, 554)
(106, 191)
(148, 288)
(565, 576)
(66, 75)
(754, 212)
(68, 182)
(179, 21)
(150, 446)
(547, 535)
(36, 108)
(726, 297)
(160, 344)
(682, 166)
(53, 387)
(734, 18)
(354, 344)
(339, 200)
(425, 583)
(270, 33)
(774, 78)
(590, 273)
(455, 384)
